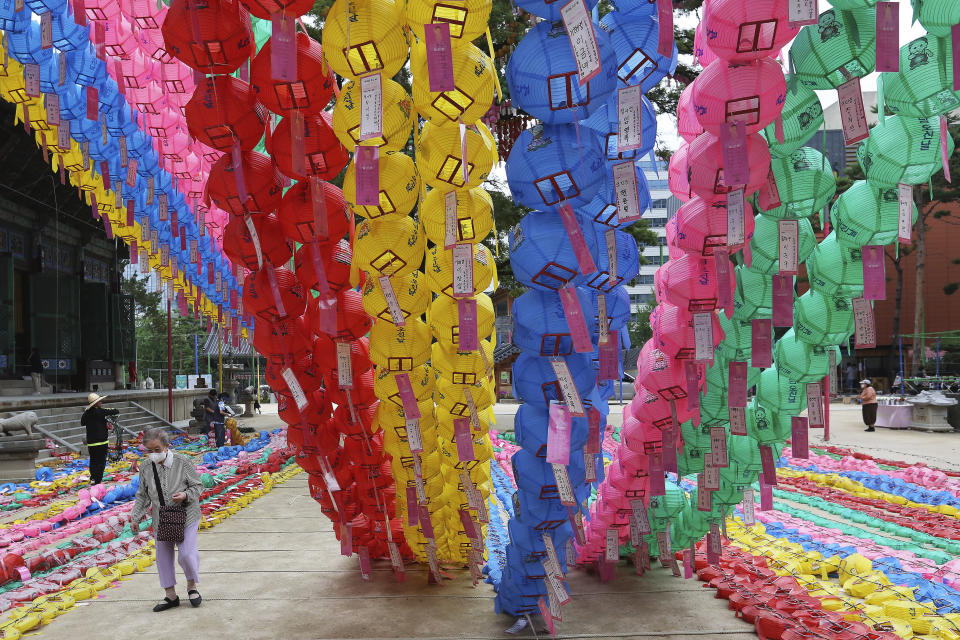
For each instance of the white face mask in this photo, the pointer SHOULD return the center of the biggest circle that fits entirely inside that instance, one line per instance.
(158, 457)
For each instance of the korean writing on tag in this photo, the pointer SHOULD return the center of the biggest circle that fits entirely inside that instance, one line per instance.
(735, 212)
(789, 243)
(814, 404)
(738, 421)
(583, 40)
(853, 118)
(711, 474)
(552, 565)
(737, 384)
(590, 464)
(782, 300)
(393, 306)
(865, 332)
(612, 547)
(283, 46)
(414, 438)
(567, 387)
(610, 236)
(718, 446)
(905, 216)
(462, 270)
(564, 488)
(640, 515)
(396, 561)
(799, 438)
(344, 366)
(371, 107)
(31, 79)
(749, 508)
(888, 36)
(46, 30)
(733, 146)
(602, 321)
(629, 122)
(439, 56)
(803, 12)
(63, 135)
(725, 280)
(295, 389)
(451, 223)
(627, 194)
(874, 279)
(657, 479)
(703, 336)
(703, 495)
(663, 544)
(471, 405)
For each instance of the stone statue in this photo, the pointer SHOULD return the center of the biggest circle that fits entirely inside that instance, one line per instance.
(21, 422)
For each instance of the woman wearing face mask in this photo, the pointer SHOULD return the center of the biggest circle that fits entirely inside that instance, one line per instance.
(181, 485)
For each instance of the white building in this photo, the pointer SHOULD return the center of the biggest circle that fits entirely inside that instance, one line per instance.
(663, 205)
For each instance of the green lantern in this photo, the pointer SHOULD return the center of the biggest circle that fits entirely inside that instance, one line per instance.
(820, 319)
(753, 297)
(762, 425)
(802, 361)
(924, 85)
(779, 394)
(902, 149)
(866, 214)
(853, 4)
(736, 343)
(802, 115)
(765, 244)
(744, 452)
(805, 182)
(937, 16)
(666, 506)
(695, 436)
(834, 270)
(690, 460)
(713, 407)
(842, 45)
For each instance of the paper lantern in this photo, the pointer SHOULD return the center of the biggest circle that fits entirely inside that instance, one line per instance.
(221, 43)
(765, 245)
(753, 297)
(297, 216)
(705, 166)
(260, 298)
(67, 34)
(422, 381)
(673, 331)
(805, 184)
(541, 254)
(605, 121)
(620, 250)
(473, 218)
(335, 257)
(397, 117)
(467, 20)
(325, 354)
(802, 117)
(821, 319)
(634, 40)
(688, 126)
(678, 173)
(701, 47)
(866, 214)
(473, 90)
(602, 209)
(536, 382)
(924, 85)
(143, 13)
(549, 167)
(689, 282)
(540, 326)
(802, 361)
(323, 155)
(737, 342)
(738, 31)
(549, 11)
(399, 187)
(543, 79)
(439, 270)
(660, 374)
(903, 150)
(252, 248)
(700, 226)
(443, 318)
(390, 247)
(309, 93)
(834, 270)
(261, 183)
(365, 38)
(412, 295)
(937, 16)
(25, 46)
(749, 93)
(440, 161)
(265, 9)
(394, 348)
(842, 45)
(223, 112)
(352, 321)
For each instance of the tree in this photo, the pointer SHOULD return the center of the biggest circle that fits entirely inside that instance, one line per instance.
(639, 327)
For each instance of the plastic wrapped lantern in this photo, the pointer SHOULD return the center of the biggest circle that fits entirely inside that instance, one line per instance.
(224, 111)
(224, 41)
(399, 187)
(635, 40)
(802, 116)
(394, 248)
(835, 270)
(765, 245)
(397, 117)
(748, 93)
(937, 16)
(261, 183)
(740, 31)
(474, 215)
(705, 166)
(472, 95)
(842, 45)
(323, 155)
(805, 184)
(440, 160)
(903, 150)
(701, 226)
(297, 216)
(542, 256)
(821, 319)
(265, 242)
(377, 43)
(543, 80)
(309, 93)
(867, 214)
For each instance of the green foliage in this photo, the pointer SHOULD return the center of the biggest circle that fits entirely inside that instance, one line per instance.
(950, 289)
(639, 328)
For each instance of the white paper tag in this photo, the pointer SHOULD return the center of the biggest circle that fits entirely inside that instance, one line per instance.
(371, 107)
(749, 509)
(552, 563)
(865, 332)
(589, 463)
(413, 435)
(579, 27)
(471, 405)
(395, 560)
(803, 11)
(905, 217)
(612, 546)
(611, 239)
(450, 223)
(640, 515)
(344, 366)
(735, 210)
(295, 389)
(814, 404)
(393, 306)
(602, 322)
(789, 234)
(563, 485)
(628, 196)
(463, 270)
(567, 388)
(703, 336)
(629, 123)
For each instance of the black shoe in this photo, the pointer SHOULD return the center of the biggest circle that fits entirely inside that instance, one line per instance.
(195, 601)
(869, 429)
(167, 604)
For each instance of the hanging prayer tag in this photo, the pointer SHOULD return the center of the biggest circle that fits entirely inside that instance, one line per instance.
(367, 175)
(31, 79)
(467, 322)
(558, 433)
(295, 389)
(874, 279)
(736, 165)
(610, 239)
(629, 123)
(814, 405)
(737, 384)
(344, 366)
(905, 216)
(575, 236)
(564, 488)
(803, 12)
(371, 107)
(283, 48)
(789, 256)
(665, 42)
(735, 213)
(439, 57)
(718, 447)
(414, 439)
(46, 30)
(583, 39)
(576, 321)
(627, 194)
(865, 332)
(703, 336)
(853, 118)
(749, 508)
(463, 270)
(738, 421)
(567, 388)
(450, 221)
(393, 306)
(799, 439)
(888, 36)
(782, 301)
(761, 347)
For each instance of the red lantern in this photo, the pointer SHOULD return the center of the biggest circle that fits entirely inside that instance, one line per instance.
(362, 393)
(223, 112)
(325, 355)
(352, 321)
(260, 180)
(323, 155)
(335, 259)
(265, 9)
(210, 36)
(274, 297)
(297, 216)
(253, 247)
(309, 93)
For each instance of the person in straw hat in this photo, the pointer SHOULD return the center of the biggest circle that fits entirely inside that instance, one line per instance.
(868, 398)
(98, 438)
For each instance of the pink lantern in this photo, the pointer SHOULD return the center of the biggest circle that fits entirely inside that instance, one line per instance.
(700, 226)
(673, 331)
(706, 171)
(701, 50)
(165, 123)
(678, 173)
(144, 14)
(135, 71)
(687, 124)
(749, 93)
(148, 99)
(185, 166)
(175, 146)
(661, 374)
(119, 40)
(740, 31)
(689, 283)
(152, 45)
(105, 10)
(177, 79)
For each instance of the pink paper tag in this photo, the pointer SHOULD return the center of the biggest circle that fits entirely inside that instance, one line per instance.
(944, 153)
(93, 103)
(367, 174)
(298, 154)
(461, 433)
(718, 447)
(283, 47)
(733, 144)
(769, 194)
(413, 511)
(558, 434)
(688, 562)
(704, 503)
(769, 465)
(346, 540)
(323, 285)
(761, 349)
(665, 34)
(766, 496)
(583, 39)
(547, 618)
(669, 454)
(865, 331)
(609, 358)
(364, 554)
(721, 259)
(782, 301)
(799, 438)
(319, 205)
(31, 79)
(852, 116)
(714, 547)
(593, 437)
(63, 135)
(658, 486)
(46, 30)
(411, 409)
(108, 227)
(467, 312)
(692, 379)
(789, 247)
(275, 289)
(814, 405)
(469, 526)
(738, 421)
(888, 36)
(874, 279)
(737, 385)
(426, 524)
(439, 56)
(132, 172)
(955, 37)
(130, 213)
(238, 177)
(575, 236)
(575, 320)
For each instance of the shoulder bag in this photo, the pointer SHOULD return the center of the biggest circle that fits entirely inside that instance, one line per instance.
(173, 517)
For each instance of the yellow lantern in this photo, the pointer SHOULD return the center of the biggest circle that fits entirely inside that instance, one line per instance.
(397, 117)
(440, 270)
(399, 187)
(400, 348)
(422, 381)
(13, 88)
(462, 369)
(472, 95)
(440, 156)
(474, 215)
(410, 290)
(363, 37)
(467, 20)
(392, 247)
(459, 408)
(443, 318)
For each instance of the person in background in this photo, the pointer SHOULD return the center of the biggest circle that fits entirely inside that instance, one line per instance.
(36, 370)
(851, 377)
(868, 398)
(215, 417)
(180, 484)
(256, 405)
(224, 405)
(98, 436)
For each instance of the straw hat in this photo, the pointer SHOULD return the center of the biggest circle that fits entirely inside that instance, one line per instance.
(865, 381)
(93, 399)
